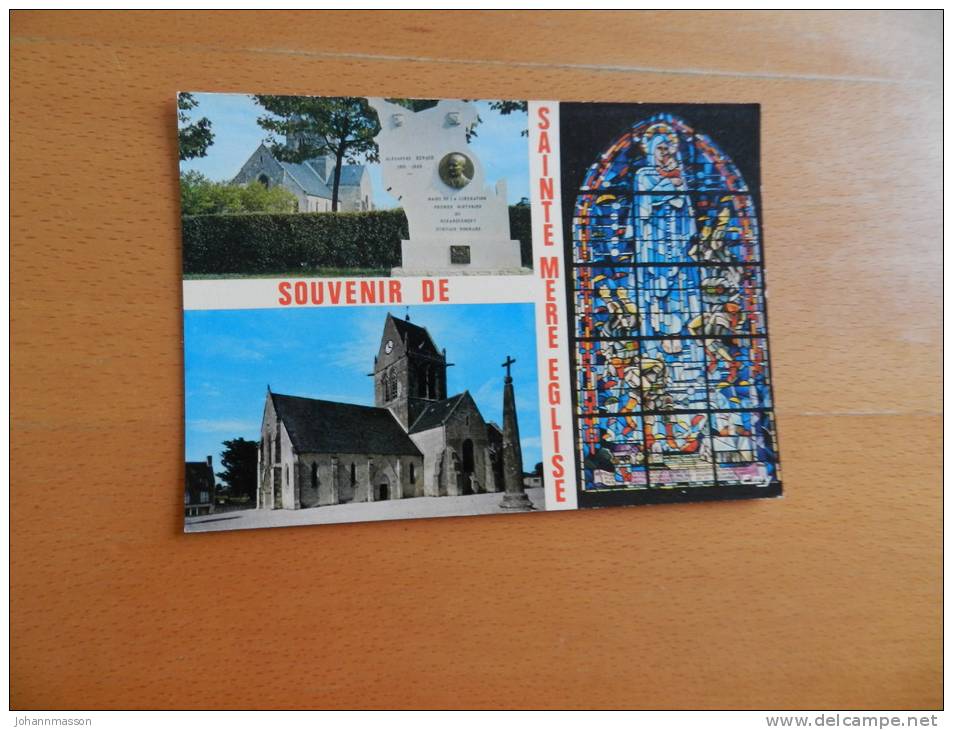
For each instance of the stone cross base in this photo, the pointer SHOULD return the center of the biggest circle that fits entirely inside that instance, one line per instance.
(426, 257)
(518, 502)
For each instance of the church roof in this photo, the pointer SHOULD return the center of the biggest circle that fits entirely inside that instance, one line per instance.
(351, 174)
(199, 475)
(415, 337)
(436, 413)
(326, 427)
(309, 180)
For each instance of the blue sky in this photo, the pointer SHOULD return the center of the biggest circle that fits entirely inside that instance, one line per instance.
(232, 356)
(498, 144)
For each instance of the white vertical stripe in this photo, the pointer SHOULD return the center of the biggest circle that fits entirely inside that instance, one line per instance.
(552, 341)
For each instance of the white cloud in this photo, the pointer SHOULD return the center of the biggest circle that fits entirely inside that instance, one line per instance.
(223, 425)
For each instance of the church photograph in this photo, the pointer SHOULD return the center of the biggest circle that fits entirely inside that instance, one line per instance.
(310, 180)
(370, 413)
(352, 186)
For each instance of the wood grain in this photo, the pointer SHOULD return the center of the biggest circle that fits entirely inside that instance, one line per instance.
(828, 598)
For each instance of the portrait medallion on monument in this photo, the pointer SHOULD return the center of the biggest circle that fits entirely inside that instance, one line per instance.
(456, 170)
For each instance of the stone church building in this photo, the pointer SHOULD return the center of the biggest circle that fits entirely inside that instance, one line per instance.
(311, 181)
(414, 441)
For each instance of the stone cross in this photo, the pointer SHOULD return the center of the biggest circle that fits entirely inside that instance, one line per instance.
(515, 498)
(509, 361)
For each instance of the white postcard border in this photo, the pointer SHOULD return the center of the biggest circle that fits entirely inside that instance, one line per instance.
(552, 325)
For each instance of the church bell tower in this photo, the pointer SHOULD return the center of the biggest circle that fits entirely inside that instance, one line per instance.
(410, 372)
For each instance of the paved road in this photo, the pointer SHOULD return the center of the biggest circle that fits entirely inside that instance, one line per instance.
(395, 509)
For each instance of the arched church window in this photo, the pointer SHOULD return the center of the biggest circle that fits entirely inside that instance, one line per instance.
(673, 388)
(468, 456)
(314, 475)
(353, 475)
(278, 446)
(393, 387)
(413, 477)
(263, 179)
(422, 381)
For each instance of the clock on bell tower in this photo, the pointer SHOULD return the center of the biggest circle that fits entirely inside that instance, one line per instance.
(409, 371)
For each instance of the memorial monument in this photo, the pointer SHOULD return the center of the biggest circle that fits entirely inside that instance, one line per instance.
(456, 223)
(515, 498)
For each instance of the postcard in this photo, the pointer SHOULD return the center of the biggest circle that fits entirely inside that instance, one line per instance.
(408, 308)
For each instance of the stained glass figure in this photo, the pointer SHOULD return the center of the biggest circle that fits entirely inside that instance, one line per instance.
(612, 453)
(606, 299)
(673, 388)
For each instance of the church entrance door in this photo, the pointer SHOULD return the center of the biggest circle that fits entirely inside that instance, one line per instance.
(276, 487)
(348, 486)
(467, 473)
(383, 489)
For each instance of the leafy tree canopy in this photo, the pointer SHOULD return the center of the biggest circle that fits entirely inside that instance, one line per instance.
(240, 463)
(342, 127)
(196, 137)
(415, 105)
(314, 126)
(201, 196)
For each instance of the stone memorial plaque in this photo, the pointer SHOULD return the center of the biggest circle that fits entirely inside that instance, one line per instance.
(459, 254)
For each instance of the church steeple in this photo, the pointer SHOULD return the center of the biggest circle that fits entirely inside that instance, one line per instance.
(322, 164)
(409, 371)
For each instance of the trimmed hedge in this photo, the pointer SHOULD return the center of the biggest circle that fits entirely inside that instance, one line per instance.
(521, 229)
(268, 243)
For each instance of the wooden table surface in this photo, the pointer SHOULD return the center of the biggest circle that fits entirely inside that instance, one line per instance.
(828, 598)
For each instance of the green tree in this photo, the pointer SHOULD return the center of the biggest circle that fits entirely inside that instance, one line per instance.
(240, 463)
(201, 196)
(194, 137)
(342, 127)
(508, 107)
(505, 108)
(196, 193)
(257, 198)
(415, 105)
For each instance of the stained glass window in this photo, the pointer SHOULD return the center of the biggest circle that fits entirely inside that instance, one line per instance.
(672, 379)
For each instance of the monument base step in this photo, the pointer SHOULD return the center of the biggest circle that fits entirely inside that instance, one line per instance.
(459, 271)
(516, 502)
(427, 256)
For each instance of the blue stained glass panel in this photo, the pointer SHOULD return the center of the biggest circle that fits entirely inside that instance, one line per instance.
(673, 387)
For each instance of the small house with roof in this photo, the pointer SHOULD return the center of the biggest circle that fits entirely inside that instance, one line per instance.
(199, 487)
(311, 181)
(414, 442)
